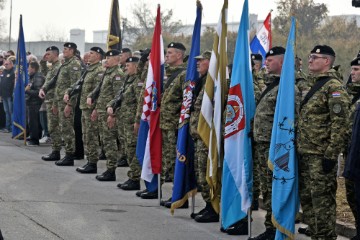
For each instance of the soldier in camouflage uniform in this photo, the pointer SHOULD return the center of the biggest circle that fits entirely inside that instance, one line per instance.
(87, 83)
(103, 93)
(125, 53)
(207, 214)
(69, 73)
(321, 134)
(123, 106)
(170, 107)
(51, 56)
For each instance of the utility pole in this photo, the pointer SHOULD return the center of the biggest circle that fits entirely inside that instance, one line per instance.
(10, 24)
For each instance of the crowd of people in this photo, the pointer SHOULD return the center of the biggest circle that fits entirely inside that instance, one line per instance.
(92, 107)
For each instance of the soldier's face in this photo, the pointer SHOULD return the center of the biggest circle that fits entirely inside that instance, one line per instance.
(130, 68)
(92, 57)
(123, 57)
(257, 65)
(355, 73)
(112, 61)
(202, 66)
(318, 63)
(274, 64)
(172, 56)
(68, 52)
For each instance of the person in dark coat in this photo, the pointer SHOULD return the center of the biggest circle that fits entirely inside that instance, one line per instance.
(7, 81)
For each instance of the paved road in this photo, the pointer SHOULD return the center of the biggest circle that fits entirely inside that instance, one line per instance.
(39, 200)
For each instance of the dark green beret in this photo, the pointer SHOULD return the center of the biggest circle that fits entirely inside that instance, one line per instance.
(323, 49)
(177, 45)
(112, 52)
(132, 60)
(98, 50)
(125, 50)
(355, 62)
(52, 48)
(275, 51)
(256, 56)
(70, 45)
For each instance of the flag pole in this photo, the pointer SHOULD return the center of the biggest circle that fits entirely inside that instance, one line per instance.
(10, 24)
(249, 223)
(159, 189)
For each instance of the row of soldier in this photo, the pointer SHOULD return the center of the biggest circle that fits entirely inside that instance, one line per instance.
(111, 101)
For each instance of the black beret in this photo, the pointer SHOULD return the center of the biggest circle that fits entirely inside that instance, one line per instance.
(52, 48)
(70, 45)
(355, 62)
(132, 59)
(98, 50)
(275, 51)
(125, 50)
(358, 54)
(112, 52)
(177, 45)
(323, 49)
(256, 56)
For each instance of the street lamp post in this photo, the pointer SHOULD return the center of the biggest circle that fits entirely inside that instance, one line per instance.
(10, 24)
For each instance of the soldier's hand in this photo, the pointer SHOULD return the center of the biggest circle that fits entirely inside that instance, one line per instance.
(328, 165)
(27, 88)
(110, 111)
(66, 98)
(55, 110)
(89, 101)
(94, 115)
(42, 93)
(111, 121)
(67, 111)
(136, 128)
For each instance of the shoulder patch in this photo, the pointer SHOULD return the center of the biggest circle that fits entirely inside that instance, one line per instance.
(117, 77)
(336, 94)
(140, 84)
(75, 68)
(100, 74)
(337, 108)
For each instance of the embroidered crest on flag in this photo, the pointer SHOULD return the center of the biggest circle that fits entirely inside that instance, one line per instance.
(235, 119)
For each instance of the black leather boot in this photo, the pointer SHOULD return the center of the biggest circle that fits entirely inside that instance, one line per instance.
(87, 168)
(53, 156)
(68, 160)
(107, 176)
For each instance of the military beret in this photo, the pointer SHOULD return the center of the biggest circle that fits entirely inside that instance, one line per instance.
(112, 52)
(132, 60)
(177, 45)
(256, 56)
(323, 49)
(125, 50)
(98, 50)
(70, 45)
(275, 51)
(52, 48)
(355, 62)
(204, 55)
(358, 54)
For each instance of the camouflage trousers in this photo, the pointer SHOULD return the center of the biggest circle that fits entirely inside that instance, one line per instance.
(169, 138)
(201, 156)
(108, 138)
(67, 128)
(318, 196)
(256, 174)
(90, 134)
(262, 155)
(130, 150)
(53, 127)
(121, 138)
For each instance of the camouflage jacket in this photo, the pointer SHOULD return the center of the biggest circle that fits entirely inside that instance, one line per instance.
(93, 77)
(142, 70)
(353, 90)
(196, 108)
(111, 84)
(323, 120)
(171, 99)
(265, 110)
(49, 73)
(69, 73)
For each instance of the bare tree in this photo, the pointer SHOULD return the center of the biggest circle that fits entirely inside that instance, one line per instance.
(52, 34)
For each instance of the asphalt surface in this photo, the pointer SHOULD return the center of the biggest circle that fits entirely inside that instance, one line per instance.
(39, 200)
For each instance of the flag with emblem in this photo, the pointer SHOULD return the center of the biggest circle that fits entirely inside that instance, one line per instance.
(114, 40)
(282, 158)
(236, 190)
(212, 108)
(22, 78)
(151, 109)
(184, 177)
(262, 41)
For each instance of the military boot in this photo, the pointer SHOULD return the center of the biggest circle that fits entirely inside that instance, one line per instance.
(53, 156)
(184, 206)
(122, 163)
(269, 234)
(238, 228)
(207, 216)
(68, 160)
(131, 185)
(87, 168)
(138, 193)
(150, 195)
(108, 175)
(304, 230)
(102, 155)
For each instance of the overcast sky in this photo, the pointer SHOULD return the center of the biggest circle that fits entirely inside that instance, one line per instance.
(40, 16)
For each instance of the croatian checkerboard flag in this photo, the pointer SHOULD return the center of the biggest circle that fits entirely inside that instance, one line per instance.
(150, 119)
(262, 41)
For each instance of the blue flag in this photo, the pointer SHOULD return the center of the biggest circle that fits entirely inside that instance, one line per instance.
(22, 78)
(282, 158)
(236, 191)
(184, 176)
